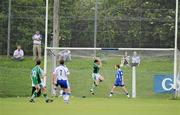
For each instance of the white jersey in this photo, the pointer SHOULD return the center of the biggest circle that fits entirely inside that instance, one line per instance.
(18, 53)
(136, 59)
(61, 72)
(37, 39)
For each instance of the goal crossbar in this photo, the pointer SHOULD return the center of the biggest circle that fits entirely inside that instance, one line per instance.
(128, 49)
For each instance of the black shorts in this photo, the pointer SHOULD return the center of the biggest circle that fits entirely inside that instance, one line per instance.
(126, 62)
(33, 89)
(134, 64)
(119, 85)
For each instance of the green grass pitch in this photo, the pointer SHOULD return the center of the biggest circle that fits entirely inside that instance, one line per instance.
(91, 106)
(15, 87)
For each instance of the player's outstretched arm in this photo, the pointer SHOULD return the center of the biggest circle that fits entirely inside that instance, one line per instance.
(100, 63)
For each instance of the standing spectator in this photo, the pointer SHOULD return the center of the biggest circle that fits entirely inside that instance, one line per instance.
(135, 59)
(125, 60)
(37, 37)
(18, 54)
(65, 55)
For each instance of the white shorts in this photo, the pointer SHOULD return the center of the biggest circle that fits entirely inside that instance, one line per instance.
(96, 76)
(63, 83)
(41, 85)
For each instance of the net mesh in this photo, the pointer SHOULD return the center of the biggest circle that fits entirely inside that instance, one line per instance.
(178, 73)
(80, 64)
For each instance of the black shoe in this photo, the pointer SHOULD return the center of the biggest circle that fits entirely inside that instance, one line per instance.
(92, 92)
(32, 101)
(49, 101)
(66, 102)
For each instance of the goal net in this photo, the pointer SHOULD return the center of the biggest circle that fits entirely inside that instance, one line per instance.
(178, 75)
(80, 64)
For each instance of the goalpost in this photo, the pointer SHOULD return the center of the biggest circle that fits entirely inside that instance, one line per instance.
(175, 55)
(176, 68)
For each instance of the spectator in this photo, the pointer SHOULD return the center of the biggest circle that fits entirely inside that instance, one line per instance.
(18, 54)
(135, 59)
(65, 55)
(125, 60)
(37, 37)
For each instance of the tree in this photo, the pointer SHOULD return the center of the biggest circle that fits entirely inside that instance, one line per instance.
(56, 23)
(121, 23)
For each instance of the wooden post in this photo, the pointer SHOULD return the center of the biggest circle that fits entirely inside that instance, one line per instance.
(55, 29)
(56, 23)
(9, 29)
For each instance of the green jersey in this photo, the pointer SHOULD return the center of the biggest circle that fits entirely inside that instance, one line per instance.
(96, 68)
(36, 75)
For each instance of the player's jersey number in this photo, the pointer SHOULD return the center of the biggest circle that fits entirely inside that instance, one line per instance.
(34, 73)
(60, 72)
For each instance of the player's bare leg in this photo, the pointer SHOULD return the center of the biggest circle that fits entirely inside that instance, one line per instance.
(101, 78)
(54, 90)
(125, 91)
(34, 94)
(66, 94)
(112, 91)
(96, 83)
(45, 95)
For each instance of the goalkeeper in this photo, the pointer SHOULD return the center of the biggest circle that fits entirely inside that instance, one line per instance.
(37, 78)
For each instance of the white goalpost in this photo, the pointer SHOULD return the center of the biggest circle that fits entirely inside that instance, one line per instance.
(176, 68)
(176, 52)
(46, 37)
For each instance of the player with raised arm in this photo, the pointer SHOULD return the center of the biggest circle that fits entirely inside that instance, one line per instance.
(119, 81)
(61, 74)
(96, 75)
(37, 77)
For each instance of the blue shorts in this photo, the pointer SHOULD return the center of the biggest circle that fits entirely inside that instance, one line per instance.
(119, 84)
(63, 83)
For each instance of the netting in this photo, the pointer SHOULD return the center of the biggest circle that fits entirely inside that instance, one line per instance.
(178, 74)
(120, 23)
(80, 64)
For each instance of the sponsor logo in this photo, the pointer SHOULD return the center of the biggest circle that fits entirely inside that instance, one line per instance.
(163, 84)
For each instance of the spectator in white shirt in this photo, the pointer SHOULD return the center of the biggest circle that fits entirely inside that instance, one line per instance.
(37, 37)
(18, 54)
(65, 55)
(135, 59)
